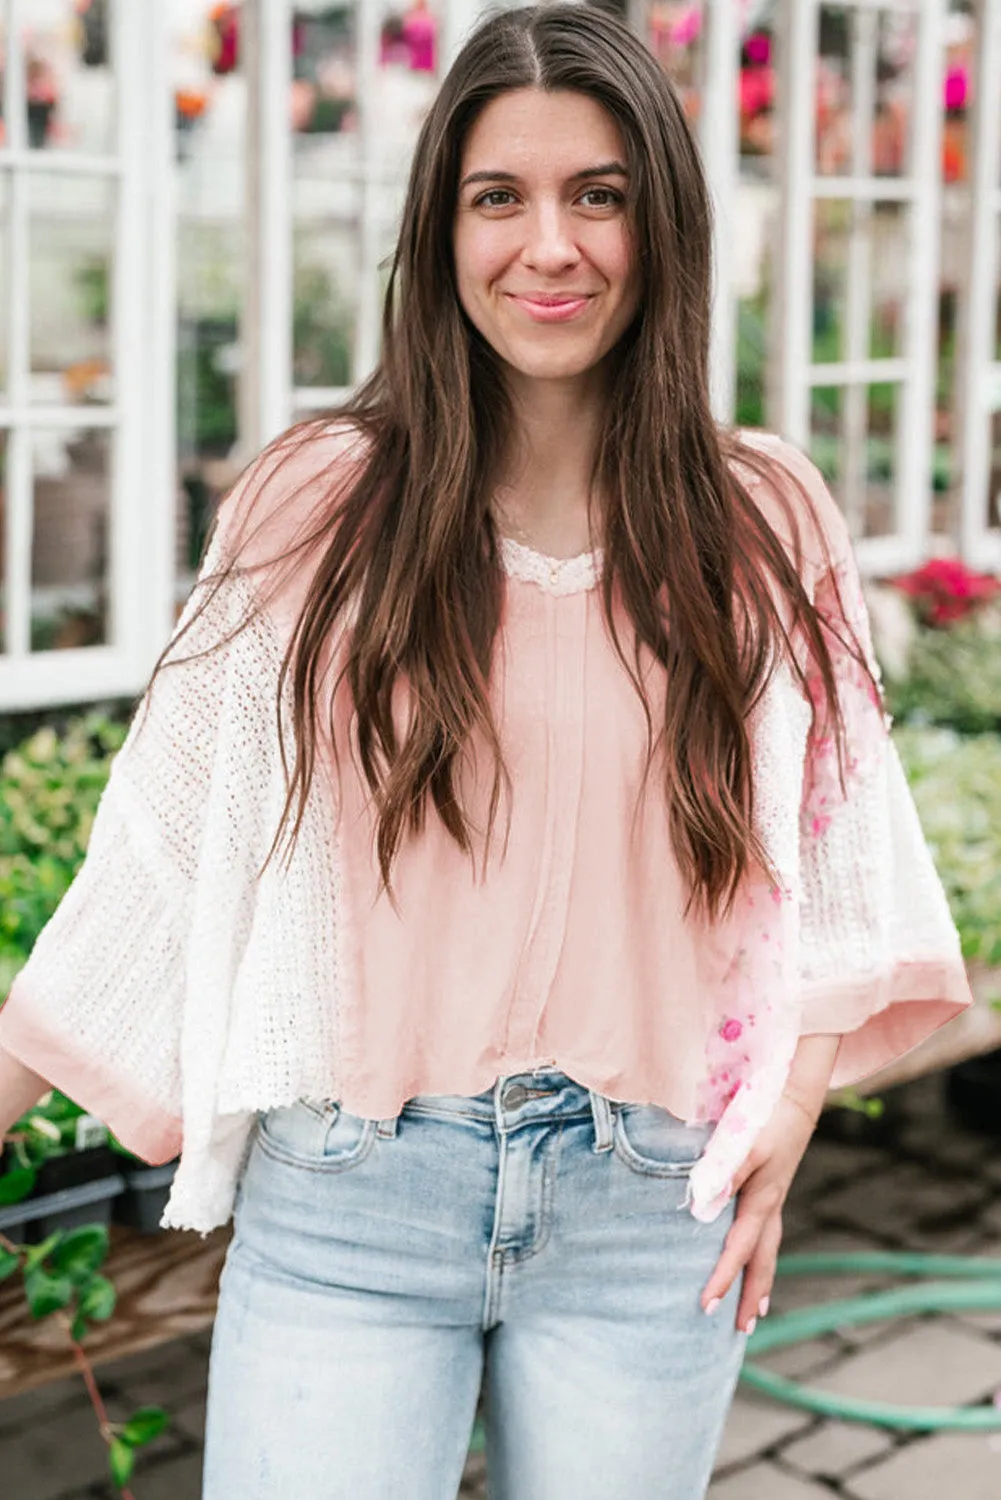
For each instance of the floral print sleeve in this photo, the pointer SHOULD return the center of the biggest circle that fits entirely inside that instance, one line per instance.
(827, 780)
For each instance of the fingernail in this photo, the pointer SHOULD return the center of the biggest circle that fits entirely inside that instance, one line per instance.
(751, 1326)
(712, 1306)
(763, 1307)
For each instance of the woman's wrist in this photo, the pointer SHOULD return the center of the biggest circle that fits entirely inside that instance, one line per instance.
(810, 1074)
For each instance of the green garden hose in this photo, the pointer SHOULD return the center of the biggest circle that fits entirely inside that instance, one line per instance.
(944, 1295)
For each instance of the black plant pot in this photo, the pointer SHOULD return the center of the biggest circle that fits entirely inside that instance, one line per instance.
(33, 1219)
(145, 1197)
(973, 1089)
(74, 1169)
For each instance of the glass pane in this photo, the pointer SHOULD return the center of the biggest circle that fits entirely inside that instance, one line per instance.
(69, 554)
(68, 81)
(210, 277)
(889, 228)
(674, 34)
(879, 472)
(754, 274)
(960, 80)
(3, 539)
(4, 262)
(878, 236)
(825, 436)
(833, 219)
(833, 102)
(3, 74)
(854, 443)
(210, 112)
(71, 235)
(892, 130)
(325, 303)
(757, 96)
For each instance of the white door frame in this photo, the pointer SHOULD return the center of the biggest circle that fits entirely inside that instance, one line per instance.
(795, 375)
(977, 366)
(139, 419)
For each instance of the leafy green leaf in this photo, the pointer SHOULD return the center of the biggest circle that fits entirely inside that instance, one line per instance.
(144, 1425)
(16, 1184)
(121, 1461)
(35, 1254)
(81, 1252)
(46, 1294)
(9, 1263)
(97, 1299)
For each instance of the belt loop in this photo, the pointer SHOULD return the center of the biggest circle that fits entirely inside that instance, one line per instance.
(601, 1109)
(386, 1129)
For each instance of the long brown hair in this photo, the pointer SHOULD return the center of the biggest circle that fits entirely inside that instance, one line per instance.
(409, 545)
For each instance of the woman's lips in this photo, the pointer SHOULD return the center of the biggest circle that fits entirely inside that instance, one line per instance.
(550, 309)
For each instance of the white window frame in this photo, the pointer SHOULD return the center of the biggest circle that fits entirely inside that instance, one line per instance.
(795, 375)
(978, 370)
(139, 419)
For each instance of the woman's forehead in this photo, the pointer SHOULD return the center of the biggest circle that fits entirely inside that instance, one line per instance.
(562, 132)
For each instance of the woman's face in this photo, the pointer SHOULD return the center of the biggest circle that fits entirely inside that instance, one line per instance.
(545, 258)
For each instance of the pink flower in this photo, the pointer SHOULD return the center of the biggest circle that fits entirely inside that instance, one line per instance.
(820, 825)
(731, 1031)
(945, 589)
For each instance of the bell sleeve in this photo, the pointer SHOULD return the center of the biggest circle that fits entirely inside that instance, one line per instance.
(97, 1008)
(880, 958)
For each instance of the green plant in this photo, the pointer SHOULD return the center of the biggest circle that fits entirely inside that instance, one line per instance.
(50, 786)
(953, 677)
(62, 1279)
(956, 782)
(91, 278)
(321, 329)
(50, 1128)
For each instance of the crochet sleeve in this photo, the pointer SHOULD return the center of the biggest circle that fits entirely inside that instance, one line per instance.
(97, 1008)
(880, 958)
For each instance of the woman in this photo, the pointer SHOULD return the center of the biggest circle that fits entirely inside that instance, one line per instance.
(511, 851)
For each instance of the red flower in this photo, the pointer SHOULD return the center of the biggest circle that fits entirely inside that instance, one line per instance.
(945, 589)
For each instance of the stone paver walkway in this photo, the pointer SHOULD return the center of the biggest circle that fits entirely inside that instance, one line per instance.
(917, 1180)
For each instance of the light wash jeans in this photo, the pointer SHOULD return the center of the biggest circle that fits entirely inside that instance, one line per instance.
(535, 1235)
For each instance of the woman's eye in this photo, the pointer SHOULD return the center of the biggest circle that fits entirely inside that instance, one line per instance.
(495, 198)
(602, 197)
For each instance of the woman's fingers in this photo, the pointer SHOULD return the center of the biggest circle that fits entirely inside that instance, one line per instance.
(737, 1251)
(759, 1274)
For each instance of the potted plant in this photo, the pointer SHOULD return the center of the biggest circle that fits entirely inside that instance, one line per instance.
(58, 1171)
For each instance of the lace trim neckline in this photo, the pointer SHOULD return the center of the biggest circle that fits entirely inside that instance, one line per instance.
(556, 575)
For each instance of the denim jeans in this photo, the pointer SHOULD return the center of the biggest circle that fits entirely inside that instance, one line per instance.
(534, 1236)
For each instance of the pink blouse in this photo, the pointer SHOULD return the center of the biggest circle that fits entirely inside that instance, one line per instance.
(566, 945)
(572, 948)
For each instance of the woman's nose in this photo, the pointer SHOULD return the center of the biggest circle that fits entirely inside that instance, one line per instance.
(549, 242)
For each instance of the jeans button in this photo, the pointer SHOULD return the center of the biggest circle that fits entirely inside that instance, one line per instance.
(514, 1096)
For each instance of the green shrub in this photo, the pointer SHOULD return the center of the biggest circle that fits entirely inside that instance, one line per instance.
(49, 790)
(954, 678)
(956, 782)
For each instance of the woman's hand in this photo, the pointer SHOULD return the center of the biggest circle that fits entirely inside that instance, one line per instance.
(763, 1181)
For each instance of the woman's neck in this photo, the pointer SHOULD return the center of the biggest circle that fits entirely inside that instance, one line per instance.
(542, 497)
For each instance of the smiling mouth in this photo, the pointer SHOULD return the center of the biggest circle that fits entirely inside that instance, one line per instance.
(551, 308)
(548, 299)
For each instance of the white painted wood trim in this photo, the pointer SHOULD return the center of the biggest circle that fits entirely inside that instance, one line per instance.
(792, 319)
(720, 144)
(273, 228)
(916, 433)
(975, 353)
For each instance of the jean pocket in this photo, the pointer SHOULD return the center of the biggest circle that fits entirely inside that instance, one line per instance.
(317, 1135)
(651, 1140)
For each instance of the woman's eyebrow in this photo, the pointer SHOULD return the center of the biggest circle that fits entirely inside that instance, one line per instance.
(603, 169)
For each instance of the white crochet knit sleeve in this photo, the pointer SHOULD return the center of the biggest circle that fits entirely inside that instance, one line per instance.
(880, 959)
(97, 1009)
